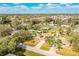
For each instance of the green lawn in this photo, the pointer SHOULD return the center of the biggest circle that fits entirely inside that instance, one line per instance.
(45, 46)
(30, 53)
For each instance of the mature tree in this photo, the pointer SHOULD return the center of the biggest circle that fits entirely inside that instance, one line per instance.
(23, 35)
(36, 27)
(12, 45)
(5, 20)
(8, 45)
(35, 21)
(50, 40)
(5, 30)
(3, 45)
(58, 43)
(22, 27)
(48, 19)
(15, 23)
(54, 41)
(59, 21)
(75, 41)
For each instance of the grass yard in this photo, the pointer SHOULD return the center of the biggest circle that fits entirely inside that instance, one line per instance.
(67, 51)
(45, 46)
(30, 53)
(32, 42)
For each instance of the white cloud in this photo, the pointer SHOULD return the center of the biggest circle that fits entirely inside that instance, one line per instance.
(67, 5)
(20, 6)
(49, 4)
(37, 7)
(14, 9)
(41, 5)
(17, 6)
(4, 5)
(73, 6)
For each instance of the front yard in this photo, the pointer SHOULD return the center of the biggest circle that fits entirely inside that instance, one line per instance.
(67, 51)
(45, 46)
(32, 42)
(30, 53)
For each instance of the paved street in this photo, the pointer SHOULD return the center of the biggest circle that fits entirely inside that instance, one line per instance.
(40, 44)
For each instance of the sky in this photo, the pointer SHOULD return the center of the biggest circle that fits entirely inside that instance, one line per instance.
(39, 8)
